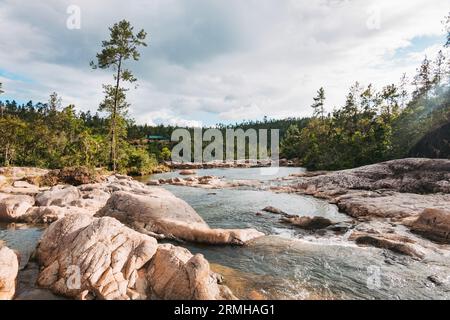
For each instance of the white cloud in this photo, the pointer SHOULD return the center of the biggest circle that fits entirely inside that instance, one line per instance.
(218, 61)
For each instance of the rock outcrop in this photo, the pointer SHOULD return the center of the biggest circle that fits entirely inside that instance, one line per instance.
(99, 258)
(433, 224)
(395, 189)
(205, 182)
(9, 267)
(74, 176)
(160, 213)
(411, 192)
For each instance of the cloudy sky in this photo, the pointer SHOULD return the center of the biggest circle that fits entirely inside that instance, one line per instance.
(211, 61)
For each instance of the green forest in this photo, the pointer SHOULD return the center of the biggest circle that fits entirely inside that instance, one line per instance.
(371, 126)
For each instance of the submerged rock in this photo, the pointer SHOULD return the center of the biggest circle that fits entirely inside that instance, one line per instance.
(159, 212)
(309, 223)
(9, 267)
(187, 172)
(433, 224)
(99, 258)
(393, 242)
(274, 210)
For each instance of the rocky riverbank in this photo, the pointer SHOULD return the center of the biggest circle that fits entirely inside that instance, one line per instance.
(230, 164)
(108, 227)
(385, 198)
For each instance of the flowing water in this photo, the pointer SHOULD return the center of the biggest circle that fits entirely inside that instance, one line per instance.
(287, 264)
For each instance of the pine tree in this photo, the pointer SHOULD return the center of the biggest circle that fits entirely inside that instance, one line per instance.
(403, 90)
(423, 79)
(121, 46)
(54, 102)
(439, 68)
(1, 103)
(318, 105)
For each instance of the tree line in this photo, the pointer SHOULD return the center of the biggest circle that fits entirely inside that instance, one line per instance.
(371, 126)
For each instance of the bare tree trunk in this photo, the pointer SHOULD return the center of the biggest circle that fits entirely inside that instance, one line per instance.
(113, 151)
(7, 155)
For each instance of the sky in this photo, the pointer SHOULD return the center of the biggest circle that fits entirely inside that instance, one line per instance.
(216, 61)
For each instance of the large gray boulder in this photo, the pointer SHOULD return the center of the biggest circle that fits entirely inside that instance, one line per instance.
(58, 196)
(159, 212)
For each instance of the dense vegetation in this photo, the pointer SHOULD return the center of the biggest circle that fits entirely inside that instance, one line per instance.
(371, 126)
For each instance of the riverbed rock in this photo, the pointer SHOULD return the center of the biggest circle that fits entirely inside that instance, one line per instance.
(161, 213)
(18, 173)
(174, 273)
(12, 207)
(153, 183)
(74, 176)
(58, 196)
(9, 267)
(433, 224)
(99, 258)
(274, 210)
(187, 172)
(393, 242)
(3, 180)
(23, 184)
(85, 258)
(396, 189)
(49, 214)
(308, 223)
(413, 175)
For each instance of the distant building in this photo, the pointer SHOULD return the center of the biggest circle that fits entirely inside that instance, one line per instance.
(156, 138)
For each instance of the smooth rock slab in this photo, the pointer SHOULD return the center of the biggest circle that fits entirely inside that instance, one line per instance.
(160, 212)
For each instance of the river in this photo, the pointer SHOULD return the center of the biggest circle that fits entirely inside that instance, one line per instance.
(289, 263)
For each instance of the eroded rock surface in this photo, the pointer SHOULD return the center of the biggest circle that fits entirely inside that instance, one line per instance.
(433, 224)
(9, 267)
(99, 258)
(174, 273)
(412, 192)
